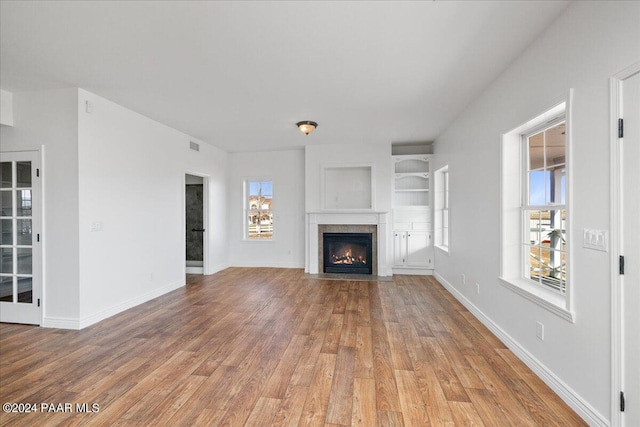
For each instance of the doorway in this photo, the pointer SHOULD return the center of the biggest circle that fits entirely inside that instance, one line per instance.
(20, 251)
(195, 219)
(625, 93)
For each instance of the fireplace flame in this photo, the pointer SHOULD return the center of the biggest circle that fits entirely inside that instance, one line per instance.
(346, 257)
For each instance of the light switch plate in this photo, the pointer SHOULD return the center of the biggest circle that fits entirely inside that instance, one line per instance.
(595, 239)
(97, 226)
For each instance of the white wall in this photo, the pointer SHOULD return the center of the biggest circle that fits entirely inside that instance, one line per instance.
(131, 181)
(317, 156)
(6, 108)
(286, 169)
(589, 43)
(49, 119)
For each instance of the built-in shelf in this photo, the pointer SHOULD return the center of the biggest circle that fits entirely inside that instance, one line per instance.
(412, 227)
(405, 174)
(411, 180)
(411, 164)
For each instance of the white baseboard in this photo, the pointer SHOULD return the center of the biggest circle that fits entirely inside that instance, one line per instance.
(60, 323)
(119, 308)
(195, 270)
(284, 264)
(566, 393)
(413, 271)
(71, 323)
(217, 268)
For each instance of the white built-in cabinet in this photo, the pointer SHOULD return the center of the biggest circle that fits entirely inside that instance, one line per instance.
(412, 249)
(412, 216)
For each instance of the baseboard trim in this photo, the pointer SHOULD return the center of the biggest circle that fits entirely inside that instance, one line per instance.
(217, 268)
(76, 324)
(413, 271)
(274, 265)
(60, 323)
(119, 308)
(195, 270)
(566, 393)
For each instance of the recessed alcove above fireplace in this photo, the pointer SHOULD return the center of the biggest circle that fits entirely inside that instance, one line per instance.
(346, 187)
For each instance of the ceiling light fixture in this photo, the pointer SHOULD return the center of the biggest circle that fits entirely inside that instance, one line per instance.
(307, 126)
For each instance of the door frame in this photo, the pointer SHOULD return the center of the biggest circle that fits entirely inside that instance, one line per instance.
(205, 220)
(38, 226)
(615, 85)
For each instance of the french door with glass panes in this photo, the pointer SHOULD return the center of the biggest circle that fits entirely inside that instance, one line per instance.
(20, 252)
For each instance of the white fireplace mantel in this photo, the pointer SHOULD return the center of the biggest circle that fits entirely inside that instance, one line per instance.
(344, 217)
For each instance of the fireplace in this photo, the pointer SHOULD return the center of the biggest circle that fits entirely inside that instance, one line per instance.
(340, 223)
(350, 253)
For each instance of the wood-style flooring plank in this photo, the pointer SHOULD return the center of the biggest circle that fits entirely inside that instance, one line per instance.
(263, 412)
(436, 402)
(465, 414)
(364, 353)
(271, 347)
(281, 377)
(290, 409)
(315, 406)
(341, 396)
(364, 403)
(414, 411)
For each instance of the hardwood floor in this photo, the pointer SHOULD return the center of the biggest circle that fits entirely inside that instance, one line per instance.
(260, 347)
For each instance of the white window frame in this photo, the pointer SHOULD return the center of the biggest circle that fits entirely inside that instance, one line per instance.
(526, 205)
(441, 208)
(512, 250)
(246, 183)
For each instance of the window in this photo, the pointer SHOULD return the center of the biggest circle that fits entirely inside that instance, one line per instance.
(535, 238)
(259, 209)
(441, 208)
(544, 213)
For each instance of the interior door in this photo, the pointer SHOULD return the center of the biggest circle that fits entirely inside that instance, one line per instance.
(20, 254)
(630, 249)
(194, 220)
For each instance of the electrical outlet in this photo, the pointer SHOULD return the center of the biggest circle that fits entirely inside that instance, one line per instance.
(540, 331)
(463, 278)
(477, 288)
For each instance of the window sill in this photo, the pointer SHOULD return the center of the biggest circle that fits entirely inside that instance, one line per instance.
(549, 300)
(444, 249)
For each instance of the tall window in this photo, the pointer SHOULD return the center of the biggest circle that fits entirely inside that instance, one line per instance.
(441, 208)
(543, 206)
(535, 239)
(259, 209)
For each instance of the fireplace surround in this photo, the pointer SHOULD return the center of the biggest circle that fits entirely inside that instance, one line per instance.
(347, 222)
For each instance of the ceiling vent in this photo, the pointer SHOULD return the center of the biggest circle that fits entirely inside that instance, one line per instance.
(194, 146)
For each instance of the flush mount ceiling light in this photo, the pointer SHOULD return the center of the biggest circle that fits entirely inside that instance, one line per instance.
(307, 126)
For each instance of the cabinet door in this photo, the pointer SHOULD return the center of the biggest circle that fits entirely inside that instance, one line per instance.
(419, 249)
(399, 247)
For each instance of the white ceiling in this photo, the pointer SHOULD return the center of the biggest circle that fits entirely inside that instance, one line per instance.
(239, 75)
